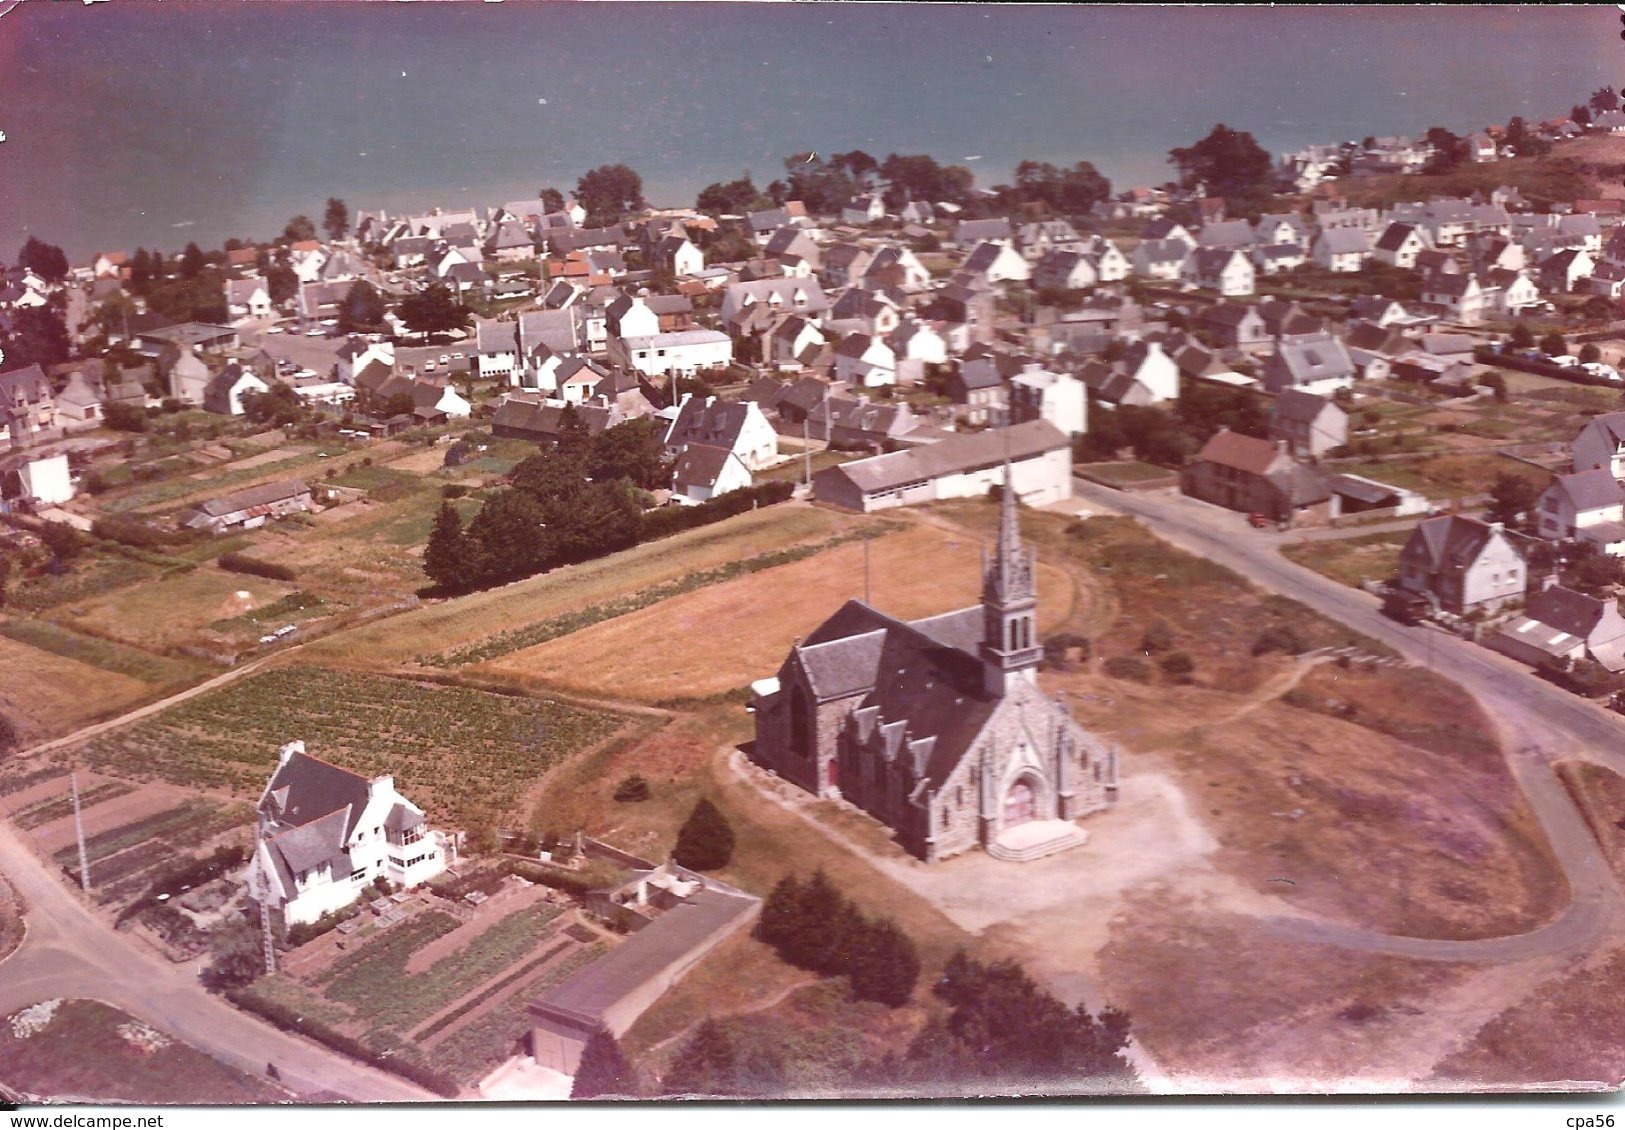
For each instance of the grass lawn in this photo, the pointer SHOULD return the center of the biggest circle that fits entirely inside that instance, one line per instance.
(90, 1050)
(466, 756)
(796, 471)
(720, 637)
(1458, 475)
(1600, 794)
(173, 609)
(1350, 561)
(453, 624)
(1126, 474)
(93, 573)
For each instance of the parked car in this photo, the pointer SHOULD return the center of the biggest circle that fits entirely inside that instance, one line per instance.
(1566, 361)
(1257, 521)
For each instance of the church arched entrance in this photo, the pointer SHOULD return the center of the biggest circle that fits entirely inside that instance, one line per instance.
(1020, 803)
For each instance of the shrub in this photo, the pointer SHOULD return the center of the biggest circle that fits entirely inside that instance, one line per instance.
(674, 519)
(254, 567)
(453, 490)
(632, 789)
(1130, 667)
(1279, 638)
(1158, 637)
(706, 840)
(1178, 666)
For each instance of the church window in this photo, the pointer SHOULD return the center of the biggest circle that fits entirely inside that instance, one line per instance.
(1097, 771)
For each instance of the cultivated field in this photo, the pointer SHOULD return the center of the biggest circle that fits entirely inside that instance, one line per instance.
(459, 623)
(466, 756)
(173, 610)
(46, 695)
(721, 637)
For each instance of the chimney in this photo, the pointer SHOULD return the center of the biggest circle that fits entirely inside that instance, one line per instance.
(1497, 527)
(1280, 445)
(1549, 581)
(288, 751)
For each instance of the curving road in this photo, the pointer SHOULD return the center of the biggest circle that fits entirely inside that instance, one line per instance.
(1538, 724)
(70, 951)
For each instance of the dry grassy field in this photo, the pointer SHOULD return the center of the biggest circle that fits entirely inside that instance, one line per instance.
(91, 1051)
(173, 610)
(1353, 560)
(450, 624)
(721, 637)
(48, 695)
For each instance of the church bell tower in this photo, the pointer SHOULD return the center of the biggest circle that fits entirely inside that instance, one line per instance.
(1010, 648)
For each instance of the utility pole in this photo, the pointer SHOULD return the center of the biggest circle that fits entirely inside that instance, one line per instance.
(79, 833)
(806, 452)
(866, 597)
(267, 935)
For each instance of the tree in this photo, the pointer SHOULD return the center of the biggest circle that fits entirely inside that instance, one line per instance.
(126, 417)
(1449, 150)
(819, 184)
(1497, 384)
(445, 557)
(236, 955)
(706, 840)
(1599, 308)
(298, 230)
(1511, 498)
(507, 538)
(552, 199)
(336, 219)
(608, 193)
(885, 965)
(1589, 352)
(62, 540)
(733, 246)
(733, 197)
(278, 406)
(191, 261)
(603, 1071)
(634, 451)
(574, 437)
(1229, 162)
(434, 310)
(363, 308)
(1522, 337)
(281, 283)
(1554, 345)
(38, 337)
(1580, 115)
(1075, 190)
(1524, 141)
(44, 259)
(708, 1064)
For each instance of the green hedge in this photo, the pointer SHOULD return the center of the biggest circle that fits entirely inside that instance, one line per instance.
(674, 519)
(254, 567)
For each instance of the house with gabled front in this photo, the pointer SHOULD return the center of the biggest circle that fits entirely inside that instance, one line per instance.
(1039, 239)
(1340, 250)
(1110, 264)
(864, 360)
(1162, 260)
(1235, 325)
(1225, 270)
(1460, 297)
(1037, 393)
(326, 836)
(1279, 258)
(1310, 424)
(1255, 476)
(1313, 363)
(863, 210)
(1064, 270)
(1566, 269)
(736, 425)
(1462, 565)
(1584, 506)
(1560, 626)
(996, 262)
(703, 472)
(247, 298)
(1144, 375)
(1601, 443)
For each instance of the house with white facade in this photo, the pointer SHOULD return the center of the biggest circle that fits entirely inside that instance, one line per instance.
(1161, 259)
(1065, 270)
(704, 471)
(1037, 393)
(862, 359)
(1459, 296)
(326, 835)
(1584, 506)
(1601, 443)
(1226, 270)
(737, 425)
(1316, 363)
(1038, 456)
(997, 262)
(1340, 250)
(681, 354)
(248, 298)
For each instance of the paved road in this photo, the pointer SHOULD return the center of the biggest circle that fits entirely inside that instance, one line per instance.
(1538, 723)
(70, 951)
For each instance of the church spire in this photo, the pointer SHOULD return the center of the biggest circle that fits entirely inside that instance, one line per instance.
(1010, 646)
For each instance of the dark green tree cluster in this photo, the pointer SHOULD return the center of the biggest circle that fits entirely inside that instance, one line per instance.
(608, 193)
(45, 259)
(1513, 499)
(634, 451)
(363, 308)
(812, 926)
(336, 219)
(434, 310)
(1002, 1030)
(1075, 190)
(551, 515)
(38, 336)
(1449, 150)
(278, 406)
(1524, 141)
(713, 1062)
(823, 186)
(1230, 163)
(705, 842)
(552, 199)
(736, 196)
(919, 177)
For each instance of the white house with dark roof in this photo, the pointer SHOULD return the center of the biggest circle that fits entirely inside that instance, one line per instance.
(1160, 259)
(1225, 270)
(737, 425)
(1601, 443)
(1462, 564)
(1585, 506)
(1311, 424)
(1341, 250)
(248, 298)
(1316, 363)
(1560, 625)
(682, 353)
(326, 835)
(705, 471)
(997, 262)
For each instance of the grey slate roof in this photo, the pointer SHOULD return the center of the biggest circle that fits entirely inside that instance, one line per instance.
(1590, 490)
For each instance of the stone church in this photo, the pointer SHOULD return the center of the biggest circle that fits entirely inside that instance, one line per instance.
(937, 727)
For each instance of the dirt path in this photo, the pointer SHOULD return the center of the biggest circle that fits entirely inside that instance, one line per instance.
(771, 1002)
(1270, 691)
